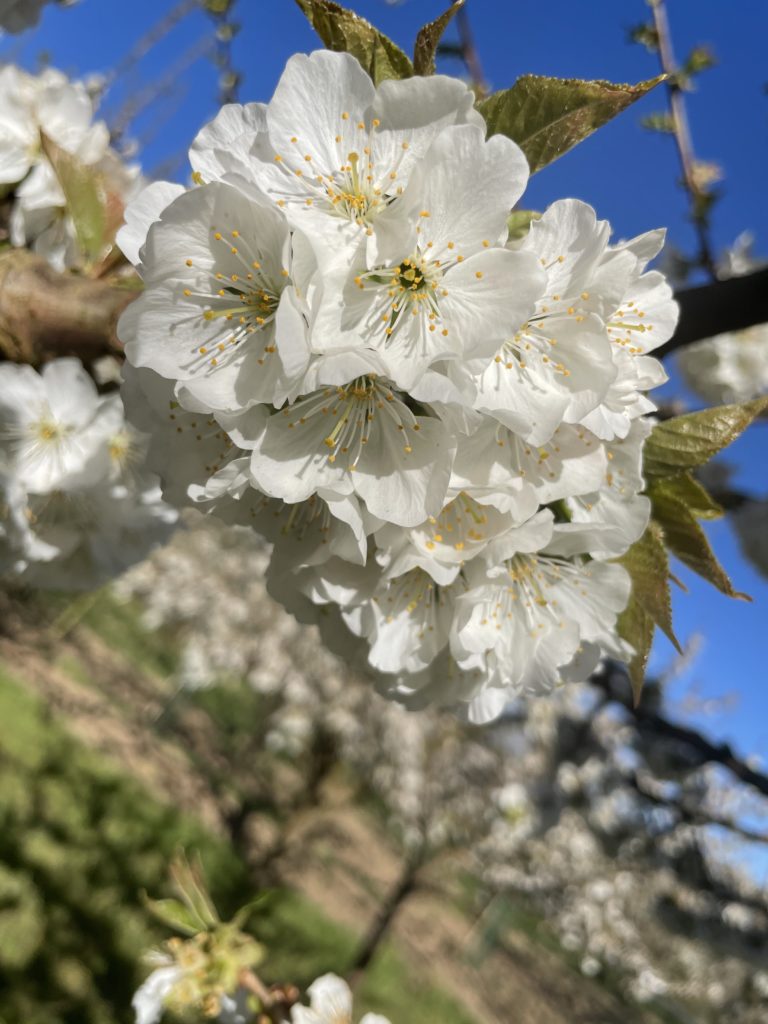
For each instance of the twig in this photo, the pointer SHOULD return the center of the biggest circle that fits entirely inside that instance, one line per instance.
(700, 198)
(151, 38)
(166, 85)
(226, 30)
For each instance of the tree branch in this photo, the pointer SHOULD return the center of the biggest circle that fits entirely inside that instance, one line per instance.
(649, 720)
(44, 314)
(730, 305)
(692, 815)
(699, 196)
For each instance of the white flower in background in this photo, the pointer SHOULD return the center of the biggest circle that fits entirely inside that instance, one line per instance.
(78, 506)
(330, 1002)
(50, 106)
(148, 1000)
(50, 423)
(730, 367)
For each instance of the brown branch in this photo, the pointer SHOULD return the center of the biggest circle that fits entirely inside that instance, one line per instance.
(700, 198)
(711, 309)
(45, 314)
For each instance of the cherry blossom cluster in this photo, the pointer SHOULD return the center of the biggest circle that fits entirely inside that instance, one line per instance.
(76, 505)
(438, 428)
(48, 106)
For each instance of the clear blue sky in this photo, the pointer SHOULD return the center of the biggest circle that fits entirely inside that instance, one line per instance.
(628, 175)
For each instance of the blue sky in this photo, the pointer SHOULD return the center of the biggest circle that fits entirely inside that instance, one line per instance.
(628, 175)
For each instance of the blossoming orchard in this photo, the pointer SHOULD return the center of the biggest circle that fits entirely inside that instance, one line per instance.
(354, 435)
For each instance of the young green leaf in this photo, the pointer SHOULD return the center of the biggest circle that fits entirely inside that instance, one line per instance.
(190, 884)
(689, 491)
(86, 199)
(180, 918)
(684, 442)
(648, 566)
(428, 38)
(636, 627)
(548, 116)
(686, 539)
(345, 31)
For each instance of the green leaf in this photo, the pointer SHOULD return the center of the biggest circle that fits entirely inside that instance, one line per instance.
(648, 566)
(426, 41)
(636, 627)
(686, 539)
(190, 884)
(86, 198)
(684, 442)
(176, 915)
(347, 32)
(548, 116)
(686, 489)
(519, 223)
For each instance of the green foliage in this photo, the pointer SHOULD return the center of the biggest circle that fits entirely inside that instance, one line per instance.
(428, 39)
(678, 502)
(548, 116)
(77, 844)
(345, 31)
(649, 606)
(686, 442)
(686, 539)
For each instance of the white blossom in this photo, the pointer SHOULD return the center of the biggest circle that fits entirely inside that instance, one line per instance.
(330, 1002)
(78, 506)
(338, 347)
